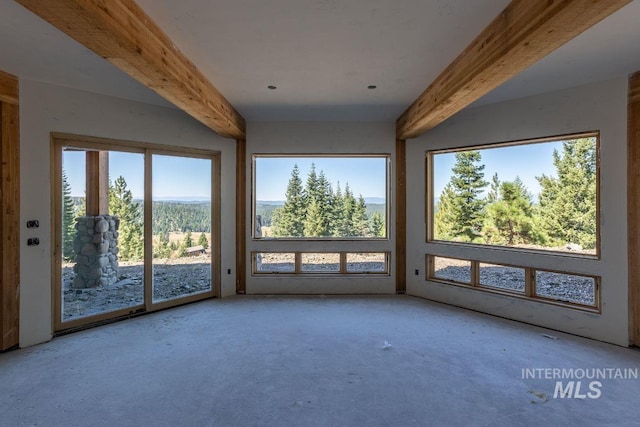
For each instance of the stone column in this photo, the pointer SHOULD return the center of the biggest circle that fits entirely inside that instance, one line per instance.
(96, 248)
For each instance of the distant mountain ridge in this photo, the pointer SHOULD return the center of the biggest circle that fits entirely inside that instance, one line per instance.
(367, 200)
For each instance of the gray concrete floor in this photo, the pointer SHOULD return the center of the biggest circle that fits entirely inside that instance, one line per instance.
(311, 361)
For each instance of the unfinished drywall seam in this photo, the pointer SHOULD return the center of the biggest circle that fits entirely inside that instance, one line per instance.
(633, 206)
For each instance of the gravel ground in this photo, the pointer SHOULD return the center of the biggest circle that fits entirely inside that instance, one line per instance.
(318, 262)
(172, 279)
(556, 286)
(186, 276)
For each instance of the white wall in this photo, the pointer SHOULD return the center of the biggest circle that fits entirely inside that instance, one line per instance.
(45, 108)
(601, 106)
(320, 138)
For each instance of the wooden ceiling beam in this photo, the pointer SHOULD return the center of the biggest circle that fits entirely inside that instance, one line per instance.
(122, 33)
(8, 88)
(524, 32)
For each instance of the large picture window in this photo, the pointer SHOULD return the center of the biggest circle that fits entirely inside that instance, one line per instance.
(320, 197)
(531, 195)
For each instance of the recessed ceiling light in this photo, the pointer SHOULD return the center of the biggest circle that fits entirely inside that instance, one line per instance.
(272, 87)
(372, 87)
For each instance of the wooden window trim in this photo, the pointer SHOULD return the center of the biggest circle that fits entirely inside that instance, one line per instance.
(430, 196)
(431, 271)
(241, 216)
(480, 285)
(297, 271)
(528, 295)
(401, 216)
(387, 237)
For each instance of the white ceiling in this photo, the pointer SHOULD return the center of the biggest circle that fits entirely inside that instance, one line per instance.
(321, 54)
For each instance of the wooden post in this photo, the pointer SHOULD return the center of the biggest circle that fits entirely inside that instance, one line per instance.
(9, 212)
(633, 206)
(241, 215)
(97, 168)
(401, 216)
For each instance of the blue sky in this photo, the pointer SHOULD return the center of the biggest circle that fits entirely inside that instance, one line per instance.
(186, 178)
(366, 175)
(180, 178)
(524, 161)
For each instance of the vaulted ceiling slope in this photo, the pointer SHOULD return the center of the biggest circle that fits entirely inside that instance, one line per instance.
(120, 32)
(321, 54)
(522, 34)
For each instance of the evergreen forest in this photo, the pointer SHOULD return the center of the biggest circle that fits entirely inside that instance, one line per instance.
(191, 218)
(472, 209)
(315, 209)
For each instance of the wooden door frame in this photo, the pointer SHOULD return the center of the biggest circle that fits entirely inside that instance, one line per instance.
(60, 140)
(401, 216)
(241, 216)
(9, 213)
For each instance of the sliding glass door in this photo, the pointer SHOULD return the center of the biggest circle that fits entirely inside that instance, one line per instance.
(181, 226)
(134, 228)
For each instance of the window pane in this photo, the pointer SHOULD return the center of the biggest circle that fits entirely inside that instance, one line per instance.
(566, 287)
(320, 197)
(367, 262)
(181, 226)
(103, 256)
(502, 277)
(538, 196)
(320, 262)
(451, 269)
(274, 262)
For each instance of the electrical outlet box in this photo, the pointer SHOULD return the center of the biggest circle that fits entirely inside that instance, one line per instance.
(417, 272)
(33, 241)
(34, 223)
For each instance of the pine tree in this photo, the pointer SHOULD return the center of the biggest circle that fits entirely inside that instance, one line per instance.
(377, 225)
(568, 201)
(68, 219)
(311, 188)
(181, 251)
(494, 192)
(337, 212)
(289, 219)
(188, 240)
(467, 207)
(360, 219)
(121, 204)
(325, 199)
(161, 247)
(510, 216)
(313, 222)
(444, 217)
(459, 213)
(202, 241)
(318, 201)
(345, 214)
